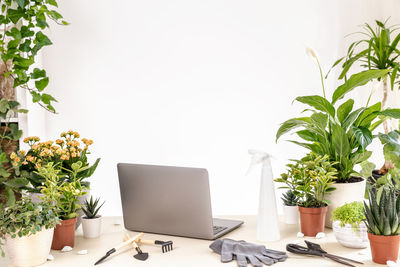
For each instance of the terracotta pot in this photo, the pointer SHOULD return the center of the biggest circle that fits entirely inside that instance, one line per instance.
(64, 234)
(384, 248)
(312, 220)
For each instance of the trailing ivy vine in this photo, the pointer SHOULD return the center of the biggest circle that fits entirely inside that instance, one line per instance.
(22, 26)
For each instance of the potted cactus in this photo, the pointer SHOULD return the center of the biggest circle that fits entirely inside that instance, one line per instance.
(383, 224)
(290, 210)
(27, 229)
(348, 225)
(91, 222)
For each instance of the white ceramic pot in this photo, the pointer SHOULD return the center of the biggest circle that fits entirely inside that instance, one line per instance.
(91, 227)
(349, 236)
(344, 193)
(291, 214)
(30, 250)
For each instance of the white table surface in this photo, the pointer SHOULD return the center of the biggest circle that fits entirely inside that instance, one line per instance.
(192, 252)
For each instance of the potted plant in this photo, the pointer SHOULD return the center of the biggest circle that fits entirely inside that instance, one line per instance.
(382, 220)
(27, 229)
(290, 210)
(91, 222)
(348, 225)
(64, 195)
(311, 179)
(341, 133)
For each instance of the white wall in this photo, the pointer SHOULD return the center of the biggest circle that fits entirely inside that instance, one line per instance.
(192, 83)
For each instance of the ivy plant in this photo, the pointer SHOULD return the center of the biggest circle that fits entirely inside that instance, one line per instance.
(26, 218)
(22, 24)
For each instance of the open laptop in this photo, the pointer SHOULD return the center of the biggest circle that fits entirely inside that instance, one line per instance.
(169, 200)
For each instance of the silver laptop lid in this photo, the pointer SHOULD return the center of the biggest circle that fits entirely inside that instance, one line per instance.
(166, 200)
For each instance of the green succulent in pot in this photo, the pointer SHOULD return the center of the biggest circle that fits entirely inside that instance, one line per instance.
(289, 198)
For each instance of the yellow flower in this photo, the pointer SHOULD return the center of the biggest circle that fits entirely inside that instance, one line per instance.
(17, 159)
(15, 164)
(35, 147)
(22, 153)
(63, 134)
(13, 155)
(73, 154)
(59, 141)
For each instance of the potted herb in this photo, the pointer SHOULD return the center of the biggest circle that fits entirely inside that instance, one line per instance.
(27, 229)
(290, 210)
(382, 220)
(311, 179)
(343, 133)
(91, 222)
(348, 225)
(64, 195)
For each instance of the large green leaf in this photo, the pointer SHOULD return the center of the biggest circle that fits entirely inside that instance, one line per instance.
(307, 135)
(318, 102)
(344, 110)
(391, 112)
(363, 136)
(361, 157)
(320, 120)
(340, 142)
(291, 124)
(351, 118)
(356, 80)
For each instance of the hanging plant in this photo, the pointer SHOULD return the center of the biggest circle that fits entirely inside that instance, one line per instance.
(22, 24)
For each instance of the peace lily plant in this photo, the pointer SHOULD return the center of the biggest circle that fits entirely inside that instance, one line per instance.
(340, 131)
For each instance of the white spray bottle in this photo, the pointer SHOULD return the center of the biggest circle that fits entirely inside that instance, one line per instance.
(268, 223)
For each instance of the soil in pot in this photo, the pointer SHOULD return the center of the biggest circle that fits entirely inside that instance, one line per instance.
(312, 220)
(384, 248)
(64, 234)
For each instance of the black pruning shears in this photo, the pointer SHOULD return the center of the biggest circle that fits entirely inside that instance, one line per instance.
(316, 250)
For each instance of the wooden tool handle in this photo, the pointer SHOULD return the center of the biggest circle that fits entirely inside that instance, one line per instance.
(129, 241)
(146, 241)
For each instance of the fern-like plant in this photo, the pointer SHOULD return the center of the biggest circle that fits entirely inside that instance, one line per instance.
(91, 208)
(289, 198)
(383, 211)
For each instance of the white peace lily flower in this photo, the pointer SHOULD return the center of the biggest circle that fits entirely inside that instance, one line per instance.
(311, 53)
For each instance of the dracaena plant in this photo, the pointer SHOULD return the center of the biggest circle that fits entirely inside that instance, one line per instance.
(382, 212)
(310, 179)
(22, 36)
(342, 133)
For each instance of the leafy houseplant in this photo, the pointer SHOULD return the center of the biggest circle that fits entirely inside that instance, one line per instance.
(28, 228)
(290, 210)
(382, 220)
(64, 195)
(348, 225)
(10, 181)
(343, 133)
(311, 179)
(91, 222)
(377, 51)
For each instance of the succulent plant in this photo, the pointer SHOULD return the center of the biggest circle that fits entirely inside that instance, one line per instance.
(382, 213)
(91, 208)
(289, 198)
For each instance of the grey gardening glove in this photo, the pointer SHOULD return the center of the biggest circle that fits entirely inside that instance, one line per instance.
(243, 252)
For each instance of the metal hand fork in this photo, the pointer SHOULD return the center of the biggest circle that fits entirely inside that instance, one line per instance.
(166, 246)
(316, 250)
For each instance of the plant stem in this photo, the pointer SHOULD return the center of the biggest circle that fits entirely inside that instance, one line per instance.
(384, 100)
(322, 77)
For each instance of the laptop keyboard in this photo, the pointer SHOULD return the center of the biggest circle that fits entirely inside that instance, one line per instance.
(217, 229)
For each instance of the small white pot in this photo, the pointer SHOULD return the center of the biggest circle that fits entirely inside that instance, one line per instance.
(291, 214)
(31, 250)
(91, 227)
(344, 193)
(349, 236)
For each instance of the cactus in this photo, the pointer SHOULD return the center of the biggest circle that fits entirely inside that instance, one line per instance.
(289, 198)
(382, 213)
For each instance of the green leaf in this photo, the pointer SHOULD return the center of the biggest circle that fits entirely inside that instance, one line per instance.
(52, 2)
(366, 169)
(391, 112)
(10, 196)
(15, 14)
(41, 84)
(290, 125)
(42, 39)
(356, 80)
(46, 98)
(344, 110)
(363, 136)
(340, 141)
(351, 118)
(21, 3)
(307, 135)
(17, 182)
(318, 102)
(38, 73)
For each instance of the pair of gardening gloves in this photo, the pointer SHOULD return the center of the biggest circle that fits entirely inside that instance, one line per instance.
(244, 252)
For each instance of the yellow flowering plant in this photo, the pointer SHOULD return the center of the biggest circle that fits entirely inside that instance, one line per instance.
(64, 152)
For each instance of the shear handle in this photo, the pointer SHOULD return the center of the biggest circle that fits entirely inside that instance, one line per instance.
(297, 249)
